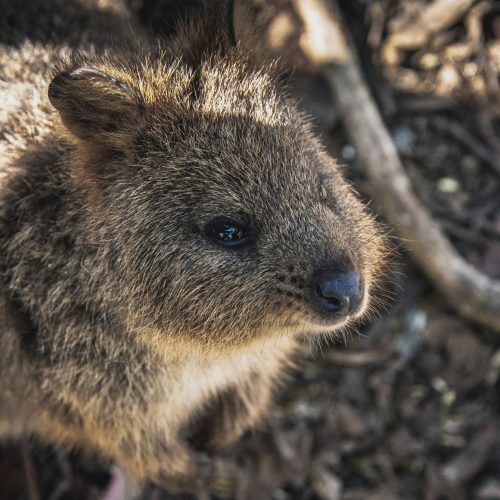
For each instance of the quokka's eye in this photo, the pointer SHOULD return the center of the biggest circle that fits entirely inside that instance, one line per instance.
(227, 232)
(323, 193)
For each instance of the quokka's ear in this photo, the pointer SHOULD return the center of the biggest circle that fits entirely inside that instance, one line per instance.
(95, 106)
(242, 24)
(231, 21)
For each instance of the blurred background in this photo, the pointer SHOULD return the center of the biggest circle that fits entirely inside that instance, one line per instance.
(408, 405)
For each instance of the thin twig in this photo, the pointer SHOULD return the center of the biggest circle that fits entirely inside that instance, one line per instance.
(29, 472)
(358, 358)
(458, 132)
(64, 486)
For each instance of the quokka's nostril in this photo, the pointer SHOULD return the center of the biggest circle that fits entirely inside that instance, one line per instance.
(330, 302)
(333, 301)
(337, 292)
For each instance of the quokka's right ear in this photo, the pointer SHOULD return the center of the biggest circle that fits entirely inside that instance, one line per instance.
(238, 19)
(242, 25)
(95, 106)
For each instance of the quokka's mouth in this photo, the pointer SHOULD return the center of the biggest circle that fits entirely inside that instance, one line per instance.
(319, 324)
(324, 320)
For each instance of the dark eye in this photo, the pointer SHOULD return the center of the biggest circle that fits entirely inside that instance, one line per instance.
(227, 232)
(323, 193)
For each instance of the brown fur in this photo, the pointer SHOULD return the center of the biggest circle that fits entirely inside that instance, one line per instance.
(124, 328)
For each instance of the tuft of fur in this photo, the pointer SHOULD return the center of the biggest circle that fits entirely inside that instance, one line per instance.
(125, 329)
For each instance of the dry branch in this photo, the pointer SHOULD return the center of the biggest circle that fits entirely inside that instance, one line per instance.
(412, 30)
(327, 43)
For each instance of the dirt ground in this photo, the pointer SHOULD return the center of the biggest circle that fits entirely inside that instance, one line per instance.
(408, 406)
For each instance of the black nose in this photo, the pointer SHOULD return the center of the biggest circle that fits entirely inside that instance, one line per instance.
(338, 292)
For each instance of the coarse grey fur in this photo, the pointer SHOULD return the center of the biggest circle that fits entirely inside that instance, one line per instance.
(124, 328)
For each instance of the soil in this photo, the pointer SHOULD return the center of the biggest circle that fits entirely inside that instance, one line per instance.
(407, 406)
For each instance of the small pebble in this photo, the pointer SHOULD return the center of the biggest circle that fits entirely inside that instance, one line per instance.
(403, 138)
(348, 152)
(449, 397)
(448, 185)
(279, 494)
(470, 70)
(470, 163)
(439, 385)
(429, 61)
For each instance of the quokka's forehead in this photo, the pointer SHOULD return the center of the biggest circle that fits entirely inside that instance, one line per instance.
(230, 90)
(263, 197)
(247, 138)
(252, 172)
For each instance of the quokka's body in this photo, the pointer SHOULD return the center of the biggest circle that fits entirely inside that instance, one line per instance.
(169, 227)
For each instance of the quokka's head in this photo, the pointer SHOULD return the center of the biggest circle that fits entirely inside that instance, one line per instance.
(227, 219)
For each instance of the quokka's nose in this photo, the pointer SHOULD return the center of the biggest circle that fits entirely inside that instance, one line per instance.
(337, 292)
